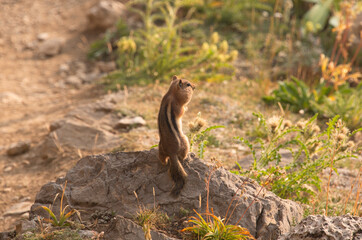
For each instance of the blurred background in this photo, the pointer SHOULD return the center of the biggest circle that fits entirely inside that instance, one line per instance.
(278, 90)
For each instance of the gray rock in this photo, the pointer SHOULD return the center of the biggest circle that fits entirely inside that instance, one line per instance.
(88, 127)
(87, 234)
(125, 229)
(74, 81)
(91, 77)
(108, 182)
(105, 14)
(18, 148)
(126, 123)
(18, 209)
(57, 124)
(26, 225)
(344, 227)
(106, 67)
(50, 47)
(64, 68)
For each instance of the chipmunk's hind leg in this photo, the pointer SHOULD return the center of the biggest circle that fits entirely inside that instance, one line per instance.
(162, 154)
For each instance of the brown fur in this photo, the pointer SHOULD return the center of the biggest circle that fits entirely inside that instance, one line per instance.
(174, 145)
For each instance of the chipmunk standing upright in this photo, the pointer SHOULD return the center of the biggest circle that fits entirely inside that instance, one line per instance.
(174, 145)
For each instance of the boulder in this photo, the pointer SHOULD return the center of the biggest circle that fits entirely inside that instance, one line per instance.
(18, 148)
(88, 127)
(321, 227)
(109, 182)
(105, 14)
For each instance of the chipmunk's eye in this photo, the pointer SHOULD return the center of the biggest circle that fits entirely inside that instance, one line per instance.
(189, 85)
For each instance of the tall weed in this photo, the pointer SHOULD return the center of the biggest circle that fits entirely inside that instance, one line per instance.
(311, 150)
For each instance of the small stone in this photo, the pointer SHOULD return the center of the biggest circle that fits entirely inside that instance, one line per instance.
(25, 215)
(80, 66)
(9, 97)
(106, 66)
(8, 168)
(55, 125)
(64, 68)
(130, 123)
(87, 234)
(18, 148)
(18, 209)
(43, 36)
(26, 225)
(91, 77)
(74, 81)
(6, 190)
(105, 14)
(50, 47)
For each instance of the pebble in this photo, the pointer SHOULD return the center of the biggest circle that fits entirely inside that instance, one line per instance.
(18, 148)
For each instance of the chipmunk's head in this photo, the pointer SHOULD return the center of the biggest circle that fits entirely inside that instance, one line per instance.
(183, 89)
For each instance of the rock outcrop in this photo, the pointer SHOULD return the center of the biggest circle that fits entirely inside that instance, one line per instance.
(109, 182)
(89, 127)
(321, 227)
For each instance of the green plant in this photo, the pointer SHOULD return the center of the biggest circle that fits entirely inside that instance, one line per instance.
(104, 48)
(63, 216)
(311, 151)
(201, 138)
(325, 101)
(346, 102)
(297, 95)
(215, 228)
(158, 49)
(150, 218)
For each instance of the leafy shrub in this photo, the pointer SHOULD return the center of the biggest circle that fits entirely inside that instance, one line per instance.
(199, 136)
(346, 102)
(311, 151)
(63, 216)
(296, 96)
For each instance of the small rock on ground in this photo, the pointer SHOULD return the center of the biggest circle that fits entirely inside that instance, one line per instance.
(50, 47)
(18, 148)
(18, 209)
(126, 123)
(105, 14)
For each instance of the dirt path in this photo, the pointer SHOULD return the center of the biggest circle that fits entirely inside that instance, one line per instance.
(31, 96)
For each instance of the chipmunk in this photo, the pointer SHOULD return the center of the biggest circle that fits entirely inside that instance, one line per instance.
(174, 145)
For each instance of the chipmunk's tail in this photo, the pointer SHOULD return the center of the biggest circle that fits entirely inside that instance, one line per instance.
(178, 175)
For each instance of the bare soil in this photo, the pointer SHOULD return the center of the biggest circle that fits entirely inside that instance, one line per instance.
(35, 80)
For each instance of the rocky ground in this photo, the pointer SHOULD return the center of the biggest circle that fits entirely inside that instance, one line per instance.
(53, 112)
(34, 89)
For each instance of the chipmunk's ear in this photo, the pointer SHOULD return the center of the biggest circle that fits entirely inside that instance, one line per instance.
(174, 78)
(180, 83)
